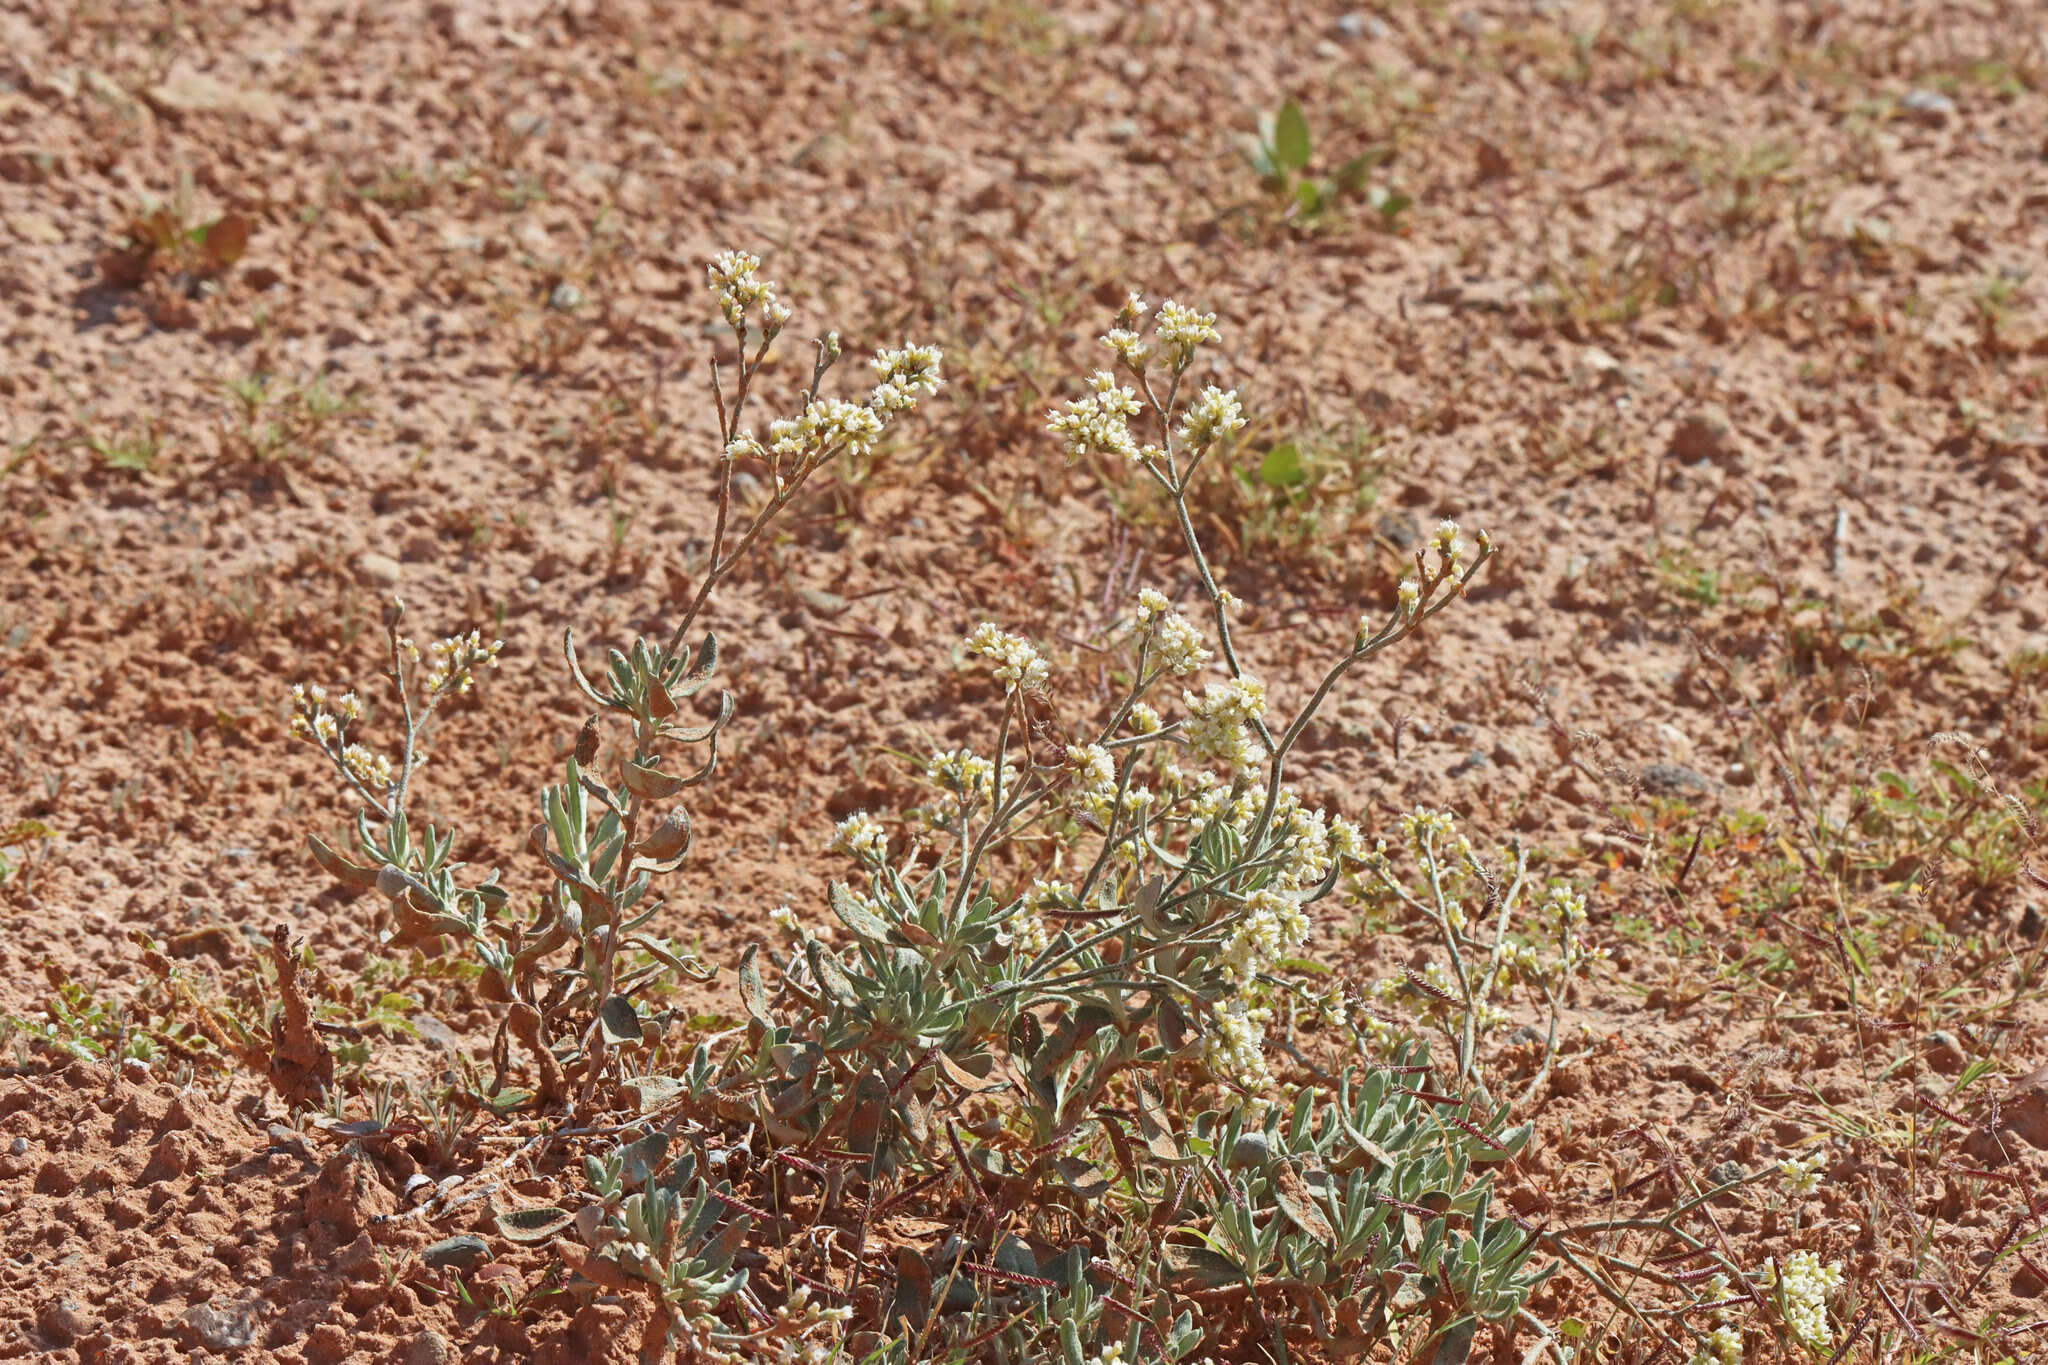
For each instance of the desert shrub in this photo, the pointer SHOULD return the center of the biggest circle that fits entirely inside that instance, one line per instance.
(1036, 1016)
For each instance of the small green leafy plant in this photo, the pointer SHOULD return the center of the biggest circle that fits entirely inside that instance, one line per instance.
(1039, 1015)
(1281, 153)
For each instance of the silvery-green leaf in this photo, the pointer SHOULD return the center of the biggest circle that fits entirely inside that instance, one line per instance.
(1291, 1193)
(619, 1021)
(531, 1225)
(753, 995)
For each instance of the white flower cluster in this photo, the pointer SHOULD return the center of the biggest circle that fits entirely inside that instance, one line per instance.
(783, 918)
(861, 836)
(1026, 931)
(1213, 416)
(1219, 720)
(735, 280)
(1803, 1288)
(1563, 907)
(325, 725)
(826, 425)
(1099, 422)
(1182, 329)
(453, 662)
(1310, 842)
(1273, 925)
(1129, 346)
(968, 780)
(1176, 644)
(1144, 718)
(371, 769)
(1018, 663)
(1234, 1049)
(904, 374)
(1801, 1177)
(1724, 1347)
(1423, 826)
(313, 719)
(1092, 767)
(804, 1333)
(1332, 1009)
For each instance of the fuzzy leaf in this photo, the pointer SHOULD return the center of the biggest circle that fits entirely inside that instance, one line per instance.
(1197, 1267)
(1282, 467)
(1456, 1342)
(336, 866)
(528, 1226)
(753, 995)
(1291, 1193)
(619, 1020)
(644, 779)
(1291, 145)
(1152, 1122)
(967, 1080)
(857, 917)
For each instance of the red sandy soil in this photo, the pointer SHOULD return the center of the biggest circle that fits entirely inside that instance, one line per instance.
(1729, 342)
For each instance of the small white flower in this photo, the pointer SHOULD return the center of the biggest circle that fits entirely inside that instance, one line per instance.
(1410, 594)
(1099, 422)
(1019, 665)
(1218, 721)
(1181, 329)
(373, 770)
(1144, 718)
(1175, 643)
(1234, 1049)
(1724, 1347)
(904, 375)
(1272, 926)
(1093, 769)
(783, 918)
(1212, 417)
(1128, 345)
(739, 289)
(1801, 1177)
(453, 662)
(1803, 1288)
(860, 835)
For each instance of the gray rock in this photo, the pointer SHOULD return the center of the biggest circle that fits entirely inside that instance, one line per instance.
(1400, 530)
(63, 1321)
(430, 1348)
(221, 1327)
(462, 1252)
(436, 1034)
(378, 570)
(1674, 779)
(1929, 107)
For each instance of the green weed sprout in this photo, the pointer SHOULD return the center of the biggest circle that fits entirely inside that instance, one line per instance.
(1281, 153)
